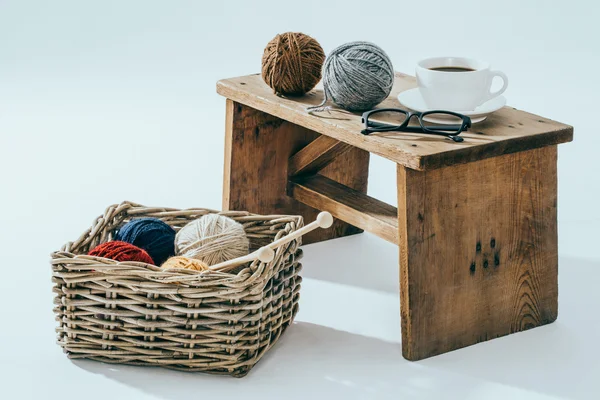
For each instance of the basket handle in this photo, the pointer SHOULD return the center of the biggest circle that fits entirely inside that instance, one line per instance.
(266, 253)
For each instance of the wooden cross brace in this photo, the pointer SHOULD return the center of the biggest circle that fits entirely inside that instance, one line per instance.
(345, 203)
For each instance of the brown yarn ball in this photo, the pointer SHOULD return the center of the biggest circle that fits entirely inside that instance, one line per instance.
(292, 63)
(185, 263)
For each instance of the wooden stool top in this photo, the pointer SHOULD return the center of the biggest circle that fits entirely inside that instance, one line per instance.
(506, 131)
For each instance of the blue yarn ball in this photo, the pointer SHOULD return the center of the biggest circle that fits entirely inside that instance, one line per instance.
(150, 234)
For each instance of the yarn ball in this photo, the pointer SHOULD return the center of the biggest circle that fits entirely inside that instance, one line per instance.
(357, 76)
(291, 63)
(152, 235)
(121, 251)
(213, 239)
(184, 262)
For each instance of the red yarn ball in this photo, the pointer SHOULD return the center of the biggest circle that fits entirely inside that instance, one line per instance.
(121, 251)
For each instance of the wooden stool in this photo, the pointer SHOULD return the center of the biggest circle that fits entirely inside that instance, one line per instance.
(476, 221)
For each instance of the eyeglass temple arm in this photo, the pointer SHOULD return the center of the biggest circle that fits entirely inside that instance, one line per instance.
(375, 124)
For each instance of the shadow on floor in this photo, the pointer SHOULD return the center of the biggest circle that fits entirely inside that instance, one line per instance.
(310, 361)
(363, 260)
(558, 361)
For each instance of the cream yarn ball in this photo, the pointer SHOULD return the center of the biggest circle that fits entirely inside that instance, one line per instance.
(212, 239)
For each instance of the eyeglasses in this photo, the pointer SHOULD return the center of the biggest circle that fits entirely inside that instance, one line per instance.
(396, 119)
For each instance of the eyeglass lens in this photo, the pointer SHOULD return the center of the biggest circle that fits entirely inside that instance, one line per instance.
(442, 122)
(391, 118)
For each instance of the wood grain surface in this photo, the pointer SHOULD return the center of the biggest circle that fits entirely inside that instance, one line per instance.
(316, 155)
(478, 251)
(506, 131)
(257, 151)
(348, 204)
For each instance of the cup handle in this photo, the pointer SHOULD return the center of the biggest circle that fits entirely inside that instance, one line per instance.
(497, 93)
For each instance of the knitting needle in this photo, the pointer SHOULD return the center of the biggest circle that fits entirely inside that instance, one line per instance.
(266, 253)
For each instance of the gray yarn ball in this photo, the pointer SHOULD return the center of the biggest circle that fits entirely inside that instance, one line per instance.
(357, 76)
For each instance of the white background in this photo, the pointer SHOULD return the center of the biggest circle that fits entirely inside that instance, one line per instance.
(102, 101)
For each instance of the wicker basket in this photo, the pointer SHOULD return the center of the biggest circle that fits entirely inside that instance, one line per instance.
(135, 313)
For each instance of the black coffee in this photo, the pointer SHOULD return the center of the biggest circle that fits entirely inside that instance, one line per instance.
(452, 69)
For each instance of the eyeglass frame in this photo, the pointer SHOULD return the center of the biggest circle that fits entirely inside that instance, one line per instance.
(466, 123)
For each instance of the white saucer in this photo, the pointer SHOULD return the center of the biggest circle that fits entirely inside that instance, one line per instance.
(412, 99)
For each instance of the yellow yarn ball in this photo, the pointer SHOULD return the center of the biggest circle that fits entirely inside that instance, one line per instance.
(185, 263)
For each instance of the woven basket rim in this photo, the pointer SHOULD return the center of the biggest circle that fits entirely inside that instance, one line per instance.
(134, 210)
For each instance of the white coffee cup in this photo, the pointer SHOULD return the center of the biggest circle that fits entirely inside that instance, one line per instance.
(457, 91)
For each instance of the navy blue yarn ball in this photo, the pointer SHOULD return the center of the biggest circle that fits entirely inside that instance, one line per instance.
(150, 234)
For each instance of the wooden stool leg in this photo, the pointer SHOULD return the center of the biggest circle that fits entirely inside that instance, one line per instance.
(478, 251)
(258, 147)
